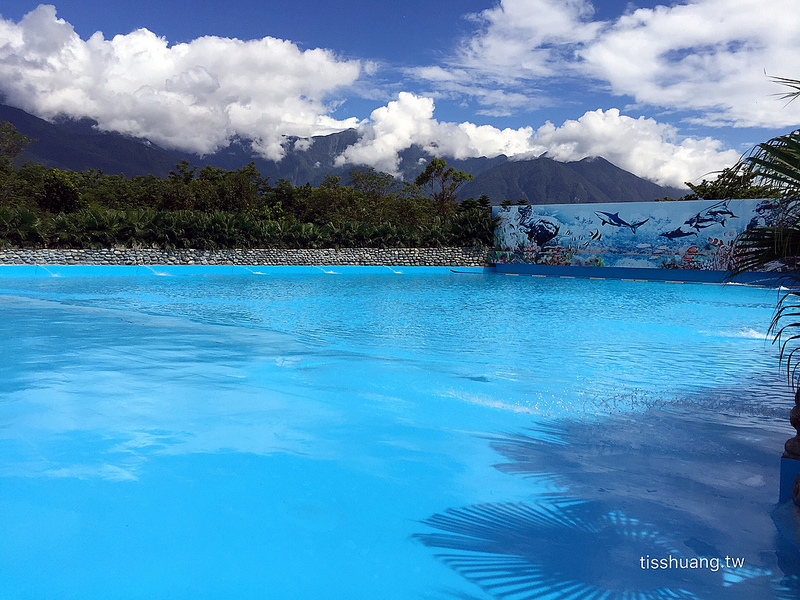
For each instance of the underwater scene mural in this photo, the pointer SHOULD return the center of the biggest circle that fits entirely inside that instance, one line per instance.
(695, 234)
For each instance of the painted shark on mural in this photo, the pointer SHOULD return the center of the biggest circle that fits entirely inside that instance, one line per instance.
(614, 220)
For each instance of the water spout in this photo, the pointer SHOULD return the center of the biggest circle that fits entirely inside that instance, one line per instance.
(149, 268)
(48, 271)
(249, 270)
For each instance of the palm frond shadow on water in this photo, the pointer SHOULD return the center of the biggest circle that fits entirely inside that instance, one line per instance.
(561, 549)
(658, 484)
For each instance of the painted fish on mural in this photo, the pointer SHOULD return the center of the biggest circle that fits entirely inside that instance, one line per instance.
(614, 220)
(691, 253)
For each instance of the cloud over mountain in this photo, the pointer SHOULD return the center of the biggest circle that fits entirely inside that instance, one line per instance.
(704, 59)
(642, 146)
(195, 96)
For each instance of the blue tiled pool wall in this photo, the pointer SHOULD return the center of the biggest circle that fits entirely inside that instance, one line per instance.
(687, 236)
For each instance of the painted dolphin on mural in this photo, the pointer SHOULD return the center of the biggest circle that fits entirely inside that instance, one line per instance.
(615, 221)
(716, 213)
(720, 212)
(677, 233)
(699, 222)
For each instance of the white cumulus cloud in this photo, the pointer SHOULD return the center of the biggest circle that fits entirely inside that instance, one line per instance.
(708, 57)
(409, 121)
(641, 145)
(526, 38)
(193, 96)
(394, 127)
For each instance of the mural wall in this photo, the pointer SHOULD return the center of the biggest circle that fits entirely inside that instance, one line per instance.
(695, 234)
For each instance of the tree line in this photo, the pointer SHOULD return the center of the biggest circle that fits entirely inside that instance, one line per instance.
(210, 208)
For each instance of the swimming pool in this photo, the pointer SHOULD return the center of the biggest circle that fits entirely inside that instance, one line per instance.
(382, 434)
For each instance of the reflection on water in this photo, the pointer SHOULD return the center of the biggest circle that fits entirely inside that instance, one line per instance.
(653, 485)
(149, 385)
(221, 437)
(562, 549)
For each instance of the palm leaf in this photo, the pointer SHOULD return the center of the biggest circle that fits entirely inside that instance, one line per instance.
(777, 163)
(785, 327)
(793, 84)
(758, 247)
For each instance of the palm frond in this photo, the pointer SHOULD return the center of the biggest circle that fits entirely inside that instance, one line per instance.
(785, 327)
(758, 247)
(777, 163)
(793, 84)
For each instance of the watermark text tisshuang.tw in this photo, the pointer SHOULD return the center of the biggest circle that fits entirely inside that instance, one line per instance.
(714, 564)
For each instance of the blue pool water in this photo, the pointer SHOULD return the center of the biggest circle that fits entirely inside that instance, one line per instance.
(387, 435)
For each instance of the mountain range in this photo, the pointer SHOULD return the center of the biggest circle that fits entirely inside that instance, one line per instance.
(79, 145)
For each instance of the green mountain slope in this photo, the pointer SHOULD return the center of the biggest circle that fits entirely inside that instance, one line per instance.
(78, 145)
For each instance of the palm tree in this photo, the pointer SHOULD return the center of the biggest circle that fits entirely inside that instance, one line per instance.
(777, 163)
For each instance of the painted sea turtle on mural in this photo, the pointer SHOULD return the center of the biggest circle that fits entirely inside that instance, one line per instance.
(541, 231)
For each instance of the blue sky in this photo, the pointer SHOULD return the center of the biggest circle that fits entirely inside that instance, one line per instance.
(670, 91)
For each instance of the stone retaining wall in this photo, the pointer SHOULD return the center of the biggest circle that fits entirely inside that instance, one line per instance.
(473, 257)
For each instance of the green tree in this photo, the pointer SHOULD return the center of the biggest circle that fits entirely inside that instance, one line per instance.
(730, 183)
(184, 172)
(378, 190)
(60, 193)
(468, 204)
(443, 183)
(388, 199)
(12, 144)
